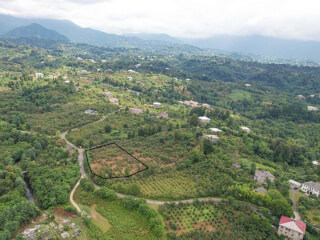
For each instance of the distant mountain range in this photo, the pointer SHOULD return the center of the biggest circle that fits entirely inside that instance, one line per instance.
(35, 30)
(87, 35)
(256, 45)
(261, 45)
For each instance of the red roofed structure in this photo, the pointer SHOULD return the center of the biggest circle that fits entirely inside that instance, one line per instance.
(292, 229)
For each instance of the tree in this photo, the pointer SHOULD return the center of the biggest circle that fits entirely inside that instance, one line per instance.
(253, 168)
(194, 120)
(108, 129)
(207, 147)
(86, 184)
(106, 193)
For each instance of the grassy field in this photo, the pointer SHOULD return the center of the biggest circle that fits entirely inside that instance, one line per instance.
(115, 222)
(238, 94)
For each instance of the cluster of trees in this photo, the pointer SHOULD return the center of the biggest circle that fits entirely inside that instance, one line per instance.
(11, 218)
(274, 200)
(140, 205)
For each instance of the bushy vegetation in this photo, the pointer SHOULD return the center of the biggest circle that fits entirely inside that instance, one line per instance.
(284, 137)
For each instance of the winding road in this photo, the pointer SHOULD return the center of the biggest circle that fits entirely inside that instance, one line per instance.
(83, 175)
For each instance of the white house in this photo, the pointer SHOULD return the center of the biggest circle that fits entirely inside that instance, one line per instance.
(67, 82)
(204, 119)
(295, 183)
(90, 112)
(39, 75)
(292, 229)
(216, 130)
(156, 104)
(312, 108)
(212, 138)
(311, 188)
(246, 129)
(248, 85)
(316, 163)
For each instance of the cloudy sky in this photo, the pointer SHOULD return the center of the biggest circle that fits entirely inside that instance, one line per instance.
(299, 19)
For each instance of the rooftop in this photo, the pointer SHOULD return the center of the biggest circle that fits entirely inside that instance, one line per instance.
(292, 224)
(314, 185)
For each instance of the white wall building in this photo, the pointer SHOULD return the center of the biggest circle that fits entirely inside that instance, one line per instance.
(295, 183)
(246, 129)
(292, 229)
(311, 188)
(212, 138)
(204, 119)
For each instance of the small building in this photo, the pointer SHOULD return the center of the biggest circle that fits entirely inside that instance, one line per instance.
(301, 97)
(90, 112)
(136, 110)
(212, 138)
(83, 71)
(216, 130)
(206, 105)
(261, 190)
(79, 58)
(114, 100)
(236, 165)
(261, 176)
(163, 115)
(67, 82)
(312, 108)
(131, 71)
(39, 75)
(291, 229)
(108, 94)
(204, 119)
(156, 104)
(248, 85)
(295, 183)
(109, 70)
(316, 163)
(311, 188)
(190, 103)
(246, 129)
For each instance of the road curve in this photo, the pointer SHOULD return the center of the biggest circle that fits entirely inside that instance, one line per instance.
(83, 175)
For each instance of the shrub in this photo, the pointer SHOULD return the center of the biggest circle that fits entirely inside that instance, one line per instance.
(106, 193)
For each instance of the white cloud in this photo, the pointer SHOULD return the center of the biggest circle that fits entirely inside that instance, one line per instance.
(188, 18)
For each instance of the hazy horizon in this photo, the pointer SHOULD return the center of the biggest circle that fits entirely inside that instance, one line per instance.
(182, 19)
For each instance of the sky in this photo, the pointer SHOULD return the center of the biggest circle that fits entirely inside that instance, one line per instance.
(290, 19)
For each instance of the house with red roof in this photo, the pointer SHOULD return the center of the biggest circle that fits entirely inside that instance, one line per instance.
(291, 229)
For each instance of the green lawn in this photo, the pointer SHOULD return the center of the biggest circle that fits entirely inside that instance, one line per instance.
(238, 94)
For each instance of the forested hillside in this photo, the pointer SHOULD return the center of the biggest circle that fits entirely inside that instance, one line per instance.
(61, 99)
